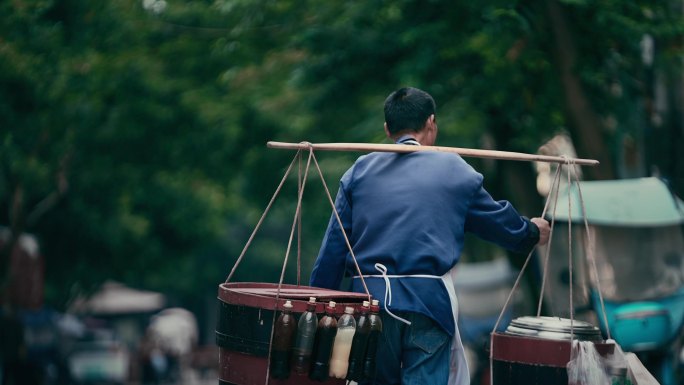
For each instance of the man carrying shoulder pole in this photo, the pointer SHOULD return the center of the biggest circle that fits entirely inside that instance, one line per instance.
(406, 215)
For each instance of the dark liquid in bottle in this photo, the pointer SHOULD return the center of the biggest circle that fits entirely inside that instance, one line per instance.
(359, 347)
(325, 338)
(285, 329)
(371, 351)
(303, 346)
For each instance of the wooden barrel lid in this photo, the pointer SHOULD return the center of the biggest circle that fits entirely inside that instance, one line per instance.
(263, 295)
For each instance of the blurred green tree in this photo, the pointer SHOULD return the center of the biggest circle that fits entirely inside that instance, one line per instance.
(132, 133)
(115, 152)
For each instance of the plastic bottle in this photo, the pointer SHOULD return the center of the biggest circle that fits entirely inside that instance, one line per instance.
(346, 328)
(375, 330)
(306, 331)
(325, 337)
(285, 329)
(359, 344)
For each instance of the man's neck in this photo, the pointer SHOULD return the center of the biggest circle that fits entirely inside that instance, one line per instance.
(419, 137)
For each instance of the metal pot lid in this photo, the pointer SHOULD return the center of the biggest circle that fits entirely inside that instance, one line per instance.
(554, 328)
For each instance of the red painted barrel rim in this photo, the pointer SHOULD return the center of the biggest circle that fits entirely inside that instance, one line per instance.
(263, 295)
(536, 351)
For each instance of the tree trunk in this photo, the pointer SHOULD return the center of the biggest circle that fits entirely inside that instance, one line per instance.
(585, 124)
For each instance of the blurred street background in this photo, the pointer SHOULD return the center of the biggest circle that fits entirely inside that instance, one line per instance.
(134, 167)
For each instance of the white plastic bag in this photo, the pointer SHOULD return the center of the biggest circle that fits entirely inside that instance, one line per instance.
(586, 366)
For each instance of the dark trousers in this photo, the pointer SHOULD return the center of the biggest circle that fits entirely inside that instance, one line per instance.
(416, 354)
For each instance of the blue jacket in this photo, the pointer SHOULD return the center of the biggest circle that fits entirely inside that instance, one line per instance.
(409, 212)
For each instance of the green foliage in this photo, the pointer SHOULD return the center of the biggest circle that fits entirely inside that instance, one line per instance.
(149, 119)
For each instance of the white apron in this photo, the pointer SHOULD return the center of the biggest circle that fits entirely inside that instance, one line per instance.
(458, 367)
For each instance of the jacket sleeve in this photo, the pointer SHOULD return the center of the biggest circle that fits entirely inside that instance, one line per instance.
(500, 223)
(329, 267)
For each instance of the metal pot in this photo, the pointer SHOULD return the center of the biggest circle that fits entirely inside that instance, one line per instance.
(554, 328)
(537, 350)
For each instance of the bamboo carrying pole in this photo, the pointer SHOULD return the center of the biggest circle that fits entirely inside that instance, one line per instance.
(466, 152)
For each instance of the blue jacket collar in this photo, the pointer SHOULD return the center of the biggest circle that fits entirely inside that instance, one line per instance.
(407, 139)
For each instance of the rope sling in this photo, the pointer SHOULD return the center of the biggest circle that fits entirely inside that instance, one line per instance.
(296, 225)
(589, 252)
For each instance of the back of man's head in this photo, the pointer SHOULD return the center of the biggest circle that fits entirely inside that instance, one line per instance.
(407, 109)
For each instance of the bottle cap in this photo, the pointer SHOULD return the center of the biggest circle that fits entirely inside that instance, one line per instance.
(376, 302)
(366, 304)
(349, 310)
(288, 304)
(332, 304)
(312, 299)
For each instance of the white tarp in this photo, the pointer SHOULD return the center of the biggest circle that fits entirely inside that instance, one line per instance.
(116, 298)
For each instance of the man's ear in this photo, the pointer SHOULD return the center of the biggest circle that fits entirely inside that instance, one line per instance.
(431, 121)
(387, 131)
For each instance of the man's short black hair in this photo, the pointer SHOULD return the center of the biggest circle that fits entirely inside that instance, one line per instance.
(407, 109)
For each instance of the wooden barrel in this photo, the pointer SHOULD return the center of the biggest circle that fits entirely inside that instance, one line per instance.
(521, 357)
(243, 331)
